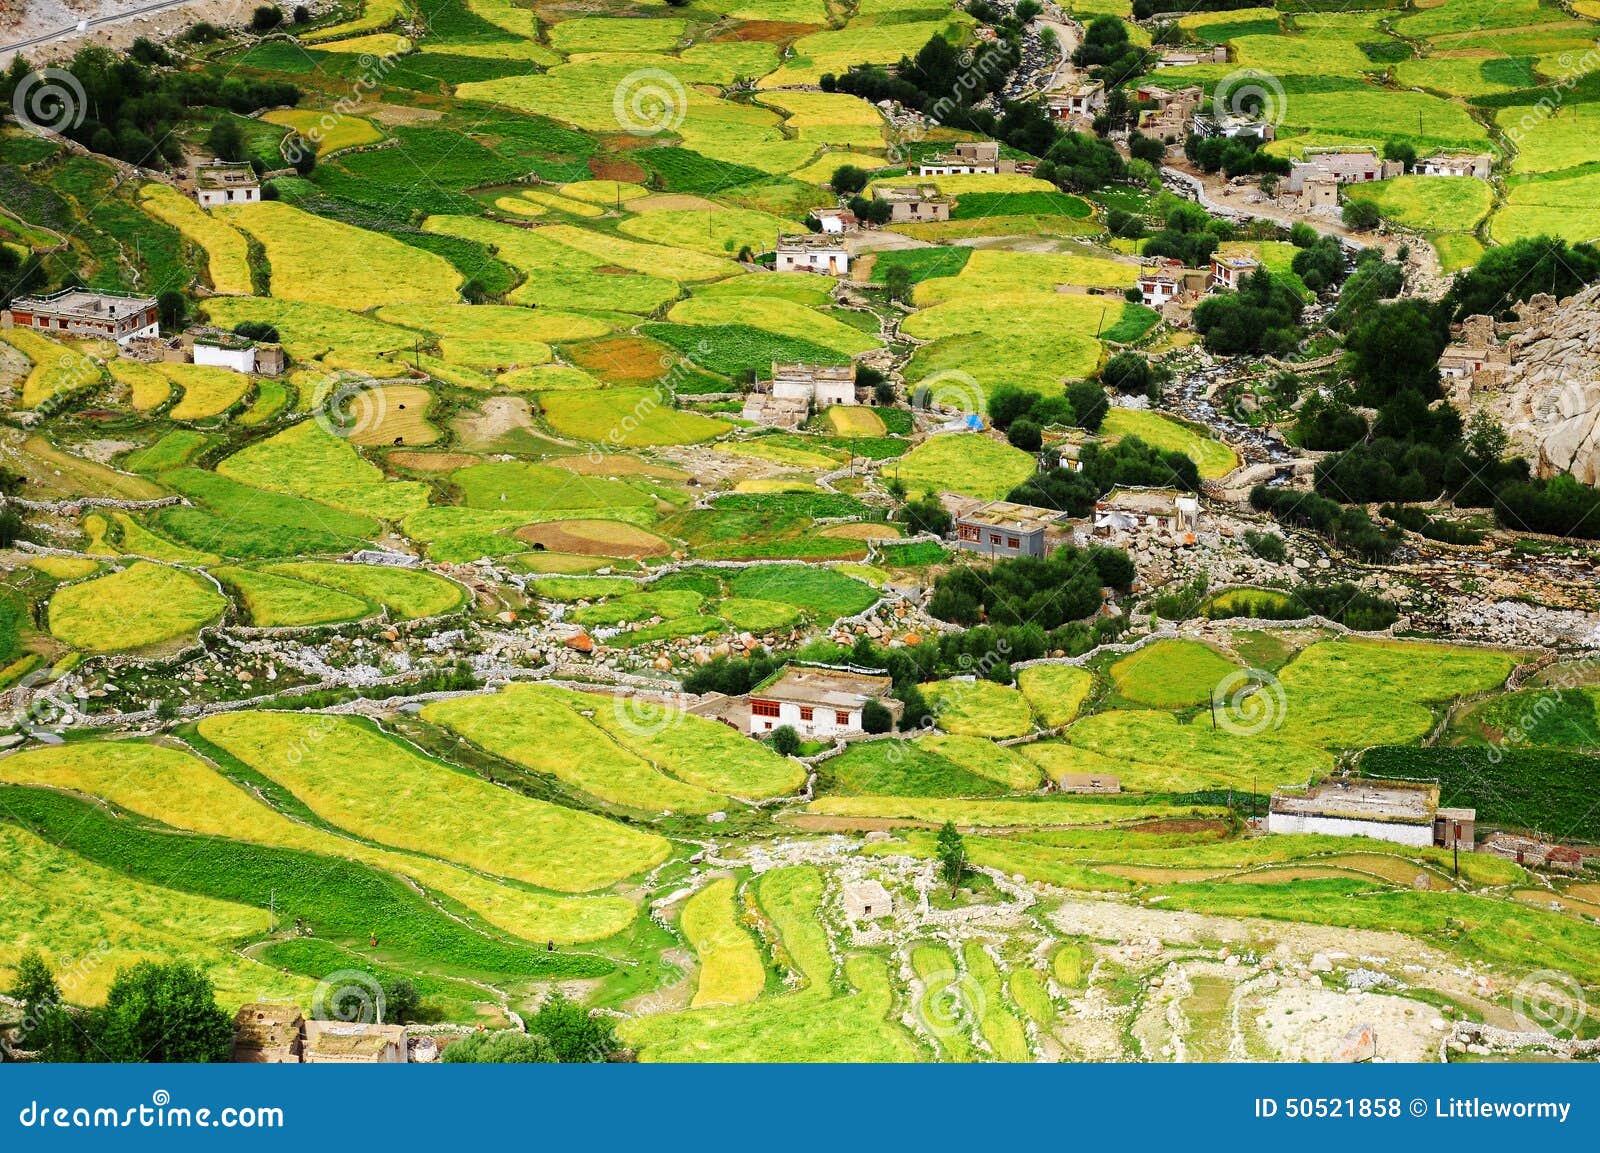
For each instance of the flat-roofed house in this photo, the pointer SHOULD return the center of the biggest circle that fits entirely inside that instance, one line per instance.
(913, 204)
(823, 385)
(1082, 101)
(1405, 812)
(866, 901)
(817, 702)
(268, 1033)
(1002, 528)
(969, 158)
(1159, 286)
(835, 221)
(1477, 165)
(78, 312)
(1229, 271)
(812, 252)
(354, 1043)
(1342, 166)
(225, 182)
(1147, 510)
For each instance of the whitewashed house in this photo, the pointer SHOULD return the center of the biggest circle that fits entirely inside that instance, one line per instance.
(817, 702)
(812, 252)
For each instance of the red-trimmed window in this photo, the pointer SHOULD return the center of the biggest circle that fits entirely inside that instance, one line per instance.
(806, 712)
(763, 708)
(841, 717)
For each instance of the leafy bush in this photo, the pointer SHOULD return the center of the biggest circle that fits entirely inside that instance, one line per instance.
(1040, 591)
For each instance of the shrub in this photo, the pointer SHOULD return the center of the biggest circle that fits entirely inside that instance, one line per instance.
(875, 718)
(925, 515)
(1026, 435)
(784, 741)
(265, 18)
(1361, 215)
(505, 1047)
(1268, 546)
(848, 179)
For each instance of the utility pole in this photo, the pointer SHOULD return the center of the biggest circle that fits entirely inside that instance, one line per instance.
(272, 911)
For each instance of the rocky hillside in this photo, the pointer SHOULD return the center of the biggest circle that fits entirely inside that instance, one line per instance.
(1548, 397)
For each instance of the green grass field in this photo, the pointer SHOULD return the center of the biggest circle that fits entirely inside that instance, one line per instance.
(540, 728)
(1430, 203)
(354, 776)
(731, 970)
(978, 708)
(141, 605)
(1056, 692)
(1171, 674)
(970, 464)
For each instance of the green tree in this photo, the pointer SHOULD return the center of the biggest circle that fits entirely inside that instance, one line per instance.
(265, 18)
(1361, 215)
(162, 1014)
(1026, 435)
(785, 741)
(876, 718)
(47, 1029)
(226, 140)
(848, 179)
(575, 1035)
(952, 852)
(171, 308)
(401, 1001)
(505, 1047)
(1127, 372)
(1089, 404)
(897, 282)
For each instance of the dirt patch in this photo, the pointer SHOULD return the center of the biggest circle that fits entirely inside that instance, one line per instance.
(431, 461)
(391, 114)
(615, 168)
(672, 202)
(621, 359)
(1184, 825)
(822, 823)
(769, 31)
(861, 530)
(615, 270)
(595, 538)
(617, 464)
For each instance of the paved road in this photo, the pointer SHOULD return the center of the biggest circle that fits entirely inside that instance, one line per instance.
(97, 22)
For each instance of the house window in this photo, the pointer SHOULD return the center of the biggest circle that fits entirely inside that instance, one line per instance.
(806, 712)
(994, 538)
(841, 717)
(763, 708)
(969, 532)
(1013, 542)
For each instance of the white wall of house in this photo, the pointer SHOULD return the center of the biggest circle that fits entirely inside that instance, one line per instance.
(238, 359)
(211, 197)
(814, 260)
(1403, 834)
(822, 722)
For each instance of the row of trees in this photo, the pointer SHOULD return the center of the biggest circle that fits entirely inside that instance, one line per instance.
(131, 107)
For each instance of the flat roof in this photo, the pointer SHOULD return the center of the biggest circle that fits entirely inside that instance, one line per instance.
(1006, 514)
(1361, 799)
(225, 174)
(810, 240)
(906, 193)
(1147, 500)
(82, 302)
(833, 688)
(836, 372)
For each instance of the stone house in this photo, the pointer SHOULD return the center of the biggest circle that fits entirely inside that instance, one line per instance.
(835, 221)
(1088, 783)
(354, 1043)
(821, 385)
(1477, 165)
(1147, 511)
(969, 158)
(224, 182)
(866, 901)
(268, 1033)
(1082, 101)
(1405, 812)
(1001, 529)
(1230, 271)
(817, 701)
(77, 312)
(812, 252)
(1187, 58)
(1533, 853)
(912, 205)
(1348, 166)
